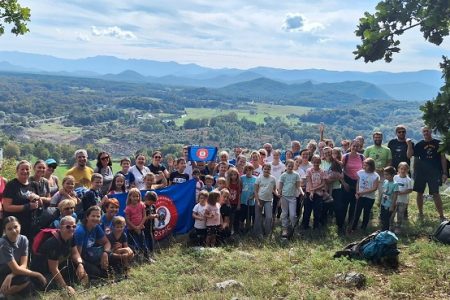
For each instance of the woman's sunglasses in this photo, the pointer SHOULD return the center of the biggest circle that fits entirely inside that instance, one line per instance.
(68, 227)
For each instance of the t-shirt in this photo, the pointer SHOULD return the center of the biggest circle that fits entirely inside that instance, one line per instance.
(277, 170)
(257, 171)
(177, 177)
(123, 239)
(404, 183)
(352, 164)
(266, 187)
(366, 182)
(427, 154)
(108, 176)
(10, 251)
(52, 249)
(87, 239)
(314, 179)
(135, 213)
(214, 211)
(106, 225)
(91, 198)
(2, 187)
(326, 166)
(380, 154)
(43, 189)
(156, 169)
(398, 152)
(389, 188)
(248, 190)
(235, 193)
(129, 179)
(82, 176)
(139, 175)
(58, 197)
(199, 209)
(19, 192)
(289, 183)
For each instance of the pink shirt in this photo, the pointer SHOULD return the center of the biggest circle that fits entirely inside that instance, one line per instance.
(215, 212)
(314, 179)
(353, 165)
(135, 213)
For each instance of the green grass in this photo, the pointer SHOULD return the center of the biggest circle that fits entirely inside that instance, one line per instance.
(261, 110)
(57, 128)
(303, 269)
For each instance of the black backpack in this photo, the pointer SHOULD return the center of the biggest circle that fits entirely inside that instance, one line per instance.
(442, 233)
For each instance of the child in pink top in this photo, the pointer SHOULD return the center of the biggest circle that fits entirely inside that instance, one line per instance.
(135, 217)
(315, 183)
(212, 215)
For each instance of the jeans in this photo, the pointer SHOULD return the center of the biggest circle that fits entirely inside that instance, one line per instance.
(385, 216)
(347, 203)
(315, 206)
(261, 225)
(288, 211)
(401, 213)
(363, 204)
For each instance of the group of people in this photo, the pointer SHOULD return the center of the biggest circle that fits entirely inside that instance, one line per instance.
(70, 231)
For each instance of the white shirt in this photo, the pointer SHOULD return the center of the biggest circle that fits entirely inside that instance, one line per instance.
(404, 183)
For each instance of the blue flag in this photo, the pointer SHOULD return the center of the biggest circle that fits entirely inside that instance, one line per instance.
(174, 208)
(200, 153)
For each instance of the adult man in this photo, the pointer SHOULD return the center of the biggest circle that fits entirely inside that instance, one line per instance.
(401, 148)
(58, 258)
(382, 157)
(81, 172)
(268, 148)
(237, 151)
(430, 168)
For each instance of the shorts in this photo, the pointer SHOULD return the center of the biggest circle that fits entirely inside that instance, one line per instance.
(212, 230)
(424, 175)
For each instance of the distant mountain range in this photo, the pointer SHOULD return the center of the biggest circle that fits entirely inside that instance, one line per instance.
(256, 82)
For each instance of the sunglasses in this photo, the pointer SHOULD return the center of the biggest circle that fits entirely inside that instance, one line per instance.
(401, 131)
(68, 227)
(69, 208)
(104, 158)
(157, 157)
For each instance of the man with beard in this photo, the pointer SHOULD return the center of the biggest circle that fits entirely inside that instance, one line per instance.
(80, 171)
(382, 157)
(401, 148)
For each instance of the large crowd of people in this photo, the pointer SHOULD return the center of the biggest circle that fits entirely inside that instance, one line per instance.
(63, 231)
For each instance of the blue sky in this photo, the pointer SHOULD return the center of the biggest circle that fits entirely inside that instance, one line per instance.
(228, 33)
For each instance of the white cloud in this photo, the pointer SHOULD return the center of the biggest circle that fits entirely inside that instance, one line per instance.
(293, 22)
(114, 31)
(83, 37)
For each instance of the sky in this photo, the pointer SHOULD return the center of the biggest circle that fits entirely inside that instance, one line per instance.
(219, 34)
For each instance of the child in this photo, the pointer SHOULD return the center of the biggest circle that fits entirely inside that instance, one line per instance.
(150, 181)
(265, 188)
(222, 169)
(289, 185)
(198, 213)
(368, 181)
(121, 254)
(179, 176)
(118, 185)
(212, 215)
(150, 199)
(209, 183)
(225, 214)
(67, 192)
(315, 183)
(248, 198)
(404, 189)
(389, 198)
(135, 217)
(94, 196)
(221, 183)
(199, 183)
(125, 164)
(234, 185)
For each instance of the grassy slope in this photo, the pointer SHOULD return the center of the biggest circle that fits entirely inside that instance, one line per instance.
(304, 269)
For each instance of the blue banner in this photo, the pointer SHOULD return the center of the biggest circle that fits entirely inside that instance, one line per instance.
(174, 208)
(200, 153)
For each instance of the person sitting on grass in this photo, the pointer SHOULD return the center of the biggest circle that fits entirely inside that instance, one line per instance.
(122, 255)
(112, 207)
(66, 208)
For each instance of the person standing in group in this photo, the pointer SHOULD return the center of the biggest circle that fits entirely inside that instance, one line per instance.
(80, 171)
(104, 167)
(278, 168)
(289, 187)
(388, 199)
(404, 189)
(247, 198)
(315, 184)
(402, 148)
(157, 168)
(382, 157)
(139, 170)
(53, 180)
(430, 168)
(265, 188)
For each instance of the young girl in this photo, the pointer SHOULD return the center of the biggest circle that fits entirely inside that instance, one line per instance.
(368, 181)
(221, 183)
(389, 198)
(265, 188)
(135, 217)
(198, 213)
(248, 198)
(209, 183)
(199, 183)
(315, 183)
(118, 185)
(234, 185)
(212, 215)
(121, 254)
(404, 189)
(289, 185)
(225, 214)
(66, 192)
(150, 182)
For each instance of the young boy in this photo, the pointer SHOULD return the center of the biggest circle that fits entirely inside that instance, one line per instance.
(199, 183)
(150, 199)
(388, 199)
(94, 195)
(198, 213)
(222, 170)
(289, 185)
(122, 255)
(265, 188)
(179, 176)
(209, 183)
(405, 187)
(125, 164)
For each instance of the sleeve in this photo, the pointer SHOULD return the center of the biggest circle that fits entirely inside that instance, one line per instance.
(195, 209)
(99, 233)
(55, 199)
(410, 184)
(6, 252)
(389, 153)
(132, 178)
(366, 152)
(79, 236)
(395, 189)
(258, 180)
(297, 177)
(9, 190)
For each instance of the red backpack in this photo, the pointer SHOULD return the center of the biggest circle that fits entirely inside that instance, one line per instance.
(42, 236)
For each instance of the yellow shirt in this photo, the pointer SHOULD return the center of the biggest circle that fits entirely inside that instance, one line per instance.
(82, 176)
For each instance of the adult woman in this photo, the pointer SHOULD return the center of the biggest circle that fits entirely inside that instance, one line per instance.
(157, 168)
(3, 182)
(53, 181)
(103, 167)
(20, 198)
(139, 170)
(14, 275)
(54, 256)
(352, 162)
(112, 207)
(255, 158)
(92, 243)
(333, 182)
(42, 183)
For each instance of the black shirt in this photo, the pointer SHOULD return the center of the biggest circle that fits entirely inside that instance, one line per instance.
(91, 198)
(156, 169)
(398, 151)
(52, 249)
(177, 177)
(427, 153)
(122, 239)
